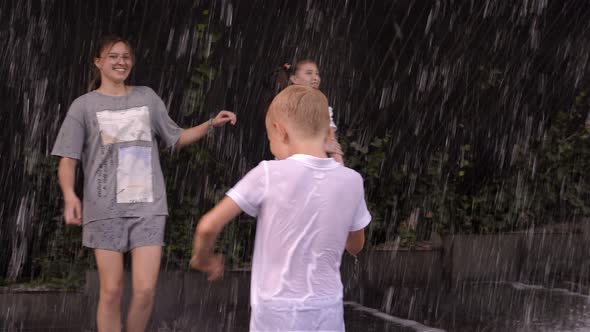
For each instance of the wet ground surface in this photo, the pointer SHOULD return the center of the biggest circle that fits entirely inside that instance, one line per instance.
(485, 307)
(69, 312)
(481, 307)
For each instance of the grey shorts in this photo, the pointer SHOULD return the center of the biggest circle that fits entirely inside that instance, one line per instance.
(125, 233)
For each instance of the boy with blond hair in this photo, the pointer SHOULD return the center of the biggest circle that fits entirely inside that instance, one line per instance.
(309, 208)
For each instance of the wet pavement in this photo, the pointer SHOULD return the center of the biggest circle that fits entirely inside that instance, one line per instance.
(223, 306)
(69, 312)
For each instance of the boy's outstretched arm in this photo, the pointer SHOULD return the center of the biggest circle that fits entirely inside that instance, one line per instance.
(208, 229)
(355, 242)
(194, 134)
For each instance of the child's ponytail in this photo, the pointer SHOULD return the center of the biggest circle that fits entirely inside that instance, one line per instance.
(280, 78)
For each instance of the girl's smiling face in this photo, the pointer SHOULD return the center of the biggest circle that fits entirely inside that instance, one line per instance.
(115, 62)
(307, 74)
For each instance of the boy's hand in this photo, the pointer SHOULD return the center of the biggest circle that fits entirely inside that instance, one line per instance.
(213, 266)
(224, 117)
(209, 227)
(72, 210)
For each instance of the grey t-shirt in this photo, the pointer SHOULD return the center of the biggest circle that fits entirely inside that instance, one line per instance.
(117, 140)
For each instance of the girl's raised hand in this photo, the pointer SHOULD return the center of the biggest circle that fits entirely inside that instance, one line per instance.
(224, 117)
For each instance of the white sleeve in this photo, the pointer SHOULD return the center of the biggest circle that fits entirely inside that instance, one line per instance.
(362, 217)
(332, 124)
(249, 192)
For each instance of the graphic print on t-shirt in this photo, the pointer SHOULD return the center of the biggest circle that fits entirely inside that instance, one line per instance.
(128, 125)
(134, 168)
(134, 175)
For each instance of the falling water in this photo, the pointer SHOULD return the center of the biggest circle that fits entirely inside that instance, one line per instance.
(463, 116)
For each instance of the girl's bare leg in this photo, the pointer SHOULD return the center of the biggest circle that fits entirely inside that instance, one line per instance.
(145, 266)
(110, 273)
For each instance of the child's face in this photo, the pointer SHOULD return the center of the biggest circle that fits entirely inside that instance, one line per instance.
(307, 74)
(115, 63)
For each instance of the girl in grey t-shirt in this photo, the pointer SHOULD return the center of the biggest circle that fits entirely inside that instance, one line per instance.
(114, 130)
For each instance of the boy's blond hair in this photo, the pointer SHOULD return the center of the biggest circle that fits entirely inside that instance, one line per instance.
(304, 108)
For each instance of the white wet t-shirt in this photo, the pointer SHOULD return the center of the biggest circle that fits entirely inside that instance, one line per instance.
(306, 207)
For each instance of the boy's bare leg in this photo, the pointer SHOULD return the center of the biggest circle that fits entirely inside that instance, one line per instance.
(145, 266)
(110, 273)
